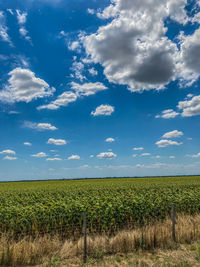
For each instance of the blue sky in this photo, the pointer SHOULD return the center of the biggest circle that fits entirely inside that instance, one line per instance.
(99, 88)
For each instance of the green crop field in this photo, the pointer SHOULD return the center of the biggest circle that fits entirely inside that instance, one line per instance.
(34, 207)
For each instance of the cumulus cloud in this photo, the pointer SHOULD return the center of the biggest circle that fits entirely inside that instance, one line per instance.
(173, 134)
(39, 155)
(165, 142)
(78, 90)
(57, 142)
(39, 126)
(172, 157)
(46, 126)
(62, 100)
(8, 151)
(87, 89)
(145, 60)
(4, 30)
(24, 86)
(103, 110)
(73, 157)
(27, 144)
(10, 158)
(138, 148)
(168, 114)
(110, 140)
(133, 47)
(190, 107)
(189, 66)
(53, 159)
(107, 155)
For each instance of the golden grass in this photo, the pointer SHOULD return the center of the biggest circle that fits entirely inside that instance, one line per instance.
(29, 251)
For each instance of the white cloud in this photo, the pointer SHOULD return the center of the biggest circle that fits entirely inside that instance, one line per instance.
(190, 107)
(103, 110)
(93, 72)
(110, 140)
(90, 11)
(107, 155)
(27, 144)
(172, 134)
(73, 157)
(67, 97)
(8, 151)
(4, 30)
(145, 154)
(134, 155)
(91, 156)
(78, 68)
(63, 33)
(168, 114)
(46, 126)
(190, 95)
(57, 142)
(195, 155)
(148, 59)
(87, 89)
(39, 126)
(10, 158)
(63, 100)
(189, 66)
(138, 148)
(172, 157)
(53, 159)
(39, 155)
(22, 17)
(74, 46)
(24, 86)
(165, 142)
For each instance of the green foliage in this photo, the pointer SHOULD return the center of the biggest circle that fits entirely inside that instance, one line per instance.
(111, 204)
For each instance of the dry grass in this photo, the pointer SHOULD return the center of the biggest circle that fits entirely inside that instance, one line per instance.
(40, 250)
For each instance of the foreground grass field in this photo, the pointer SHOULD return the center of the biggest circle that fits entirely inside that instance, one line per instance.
(111, 204)
(151, 246)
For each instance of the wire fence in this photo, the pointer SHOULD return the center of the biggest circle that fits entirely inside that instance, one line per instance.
(78, 226)
(71, 224)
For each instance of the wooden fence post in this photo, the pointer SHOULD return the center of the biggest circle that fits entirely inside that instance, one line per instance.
(84, 236)
(173, 222)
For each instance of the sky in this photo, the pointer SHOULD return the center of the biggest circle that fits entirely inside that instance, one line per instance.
(99, 88)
